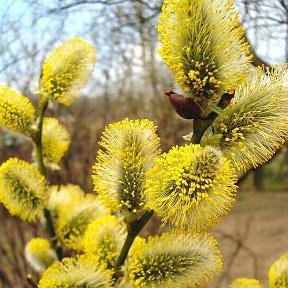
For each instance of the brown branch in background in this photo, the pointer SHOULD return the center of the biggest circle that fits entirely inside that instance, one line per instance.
(31, 281)
(37, 139)
(240, 245)
(103, 2)
(14, 234)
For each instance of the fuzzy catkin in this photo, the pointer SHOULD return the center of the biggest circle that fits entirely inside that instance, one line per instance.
(23, 190)
(67, 69)
(128, 149)
(255, 124)
(203, 45)
(191, 187)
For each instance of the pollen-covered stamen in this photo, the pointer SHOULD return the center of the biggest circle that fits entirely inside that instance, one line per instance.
(197, 179)
(127, 151)
(255, 123)
(23, 190)
(131, 187)
(282, 281)
(104, 238)
(76, 225)
(203, 45)
(73, 220)
(208, 163)
(55, 140)
(278, 272)
(203, 82)
(16, 111)
(158, 267)
(83, 271)
(245, 283)
(191, 187)
(174, 259)
(39, 254)
(66, 70)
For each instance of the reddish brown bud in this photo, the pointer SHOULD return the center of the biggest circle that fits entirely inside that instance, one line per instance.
(184, 106)
(226, 99)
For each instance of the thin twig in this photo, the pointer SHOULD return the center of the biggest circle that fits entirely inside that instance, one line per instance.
(133, 230)
(43, 103)
(31, 281)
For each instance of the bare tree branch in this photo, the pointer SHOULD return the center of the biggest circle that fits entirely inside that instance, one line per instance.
(103, 2)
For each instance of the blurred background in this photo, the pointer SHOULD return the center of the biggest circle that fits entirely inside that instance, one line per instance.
(129, 81)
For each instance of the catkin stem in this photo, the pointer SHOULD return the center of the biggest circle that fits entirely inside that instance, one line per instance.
(201, 125)
(133, 230)
(41, 166)
(38, 137)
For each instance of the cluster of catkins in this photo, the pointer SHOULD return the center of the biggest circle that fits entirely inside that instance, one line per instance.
(239, 117)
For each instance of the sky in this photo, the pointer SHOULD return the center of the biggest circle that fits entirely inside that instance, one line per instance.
(269, 48)
(44, 29)
(35, 34)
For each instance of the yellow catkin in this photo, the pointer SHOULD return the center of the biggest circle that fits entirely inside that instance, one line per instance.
(104, 237)
(76, 272)
(127, 151)
(23, 190)
(16, 111)
(66, 70)
(255, 124)
(39, 254)
(278, 273)
(202, 43)
(55, 140)
(75, 216)
(61, 195)
(245, 283)
(174, 259)
(191, 187)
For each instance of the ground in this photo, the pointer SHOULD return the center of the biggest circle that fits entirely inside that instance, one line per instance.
(252, 236)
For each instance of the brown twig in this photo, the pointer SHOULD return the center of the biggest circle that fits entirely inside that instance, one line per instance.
(31, 281)
(239, 241)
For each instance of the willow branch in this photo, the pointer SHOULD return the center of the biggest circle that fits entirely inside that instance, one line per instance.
(38, 137)
(133, 230)
(200, 126)
(43, 103)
